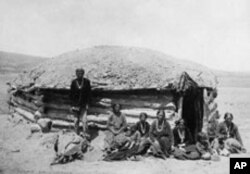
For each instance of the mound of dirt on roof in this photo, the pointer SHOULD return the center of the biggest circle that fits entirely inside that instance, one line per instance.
(114, 67)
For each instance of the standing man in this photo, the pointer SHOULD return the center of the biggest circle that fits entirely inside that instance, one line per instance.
(80, 94)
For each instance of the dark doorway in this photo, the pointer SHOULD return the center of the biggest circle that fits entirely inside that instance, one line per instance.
(193, 110)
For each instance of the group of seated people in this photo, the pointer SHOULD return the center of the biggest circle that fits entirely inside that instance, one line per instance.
(158, 139)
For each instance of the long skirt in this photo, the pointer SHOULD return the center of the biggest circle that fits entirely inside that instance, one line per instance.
(161, 146)
(122, 154)
(189, 153)
(144, 146)
(233, 146)
(112, 141)
(165, 143)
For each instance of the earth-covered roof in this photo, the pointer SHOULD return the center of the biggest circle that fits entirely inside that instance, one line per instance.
(116, 68)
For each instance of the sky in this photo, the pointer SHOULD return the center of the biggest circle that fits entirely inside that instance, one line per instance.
(215, 33)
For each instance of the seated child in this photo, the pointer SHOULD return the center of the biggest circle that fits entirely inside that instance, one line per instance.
(203, 146)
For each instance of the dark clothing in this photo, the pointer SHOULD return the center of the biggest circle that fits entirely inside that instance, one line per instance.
(190, 152)
(80, 92)
(165, 132)
(80, 95)
(122, 154)
(163, 135)
(230, 131)
(187, 137)
(142, 128)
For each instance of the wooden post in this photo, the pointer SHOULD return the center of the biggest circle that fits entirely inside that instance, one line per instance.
(180, 107)
(206, 99)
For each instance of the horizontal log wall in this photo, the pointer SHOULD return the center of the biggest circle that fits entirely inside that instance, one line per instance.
(56, 104)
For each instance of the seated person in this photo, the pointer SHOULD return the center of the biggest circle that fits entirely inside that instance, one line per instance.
(203, 146)
(183, 142)
(131, 138)
(230, 132)
(137, 141)
(142, 128)
(212, 126)
(161, 136)
(182, 135)
(69, 147)
(128, 148)
(218, 146)
(116, 125)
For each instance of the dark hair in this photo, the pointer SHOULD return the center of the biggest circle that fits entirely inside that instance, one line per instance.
(227, 114)
(161, 110)
(177, 122)
(133, 129)
(215, 93)
(201, 136)
(80, 70)
(143, 114)
(116, 104)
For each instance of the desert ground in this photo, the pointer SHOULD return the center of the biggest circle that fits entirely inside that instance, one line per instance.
(21, 153)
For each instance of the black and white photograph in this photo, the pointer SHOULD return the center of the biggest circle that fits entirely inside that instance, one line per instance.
(124, 86)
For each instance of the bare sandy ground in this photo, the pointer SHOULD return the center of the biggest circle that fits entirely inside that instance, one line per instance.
(20, 154)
